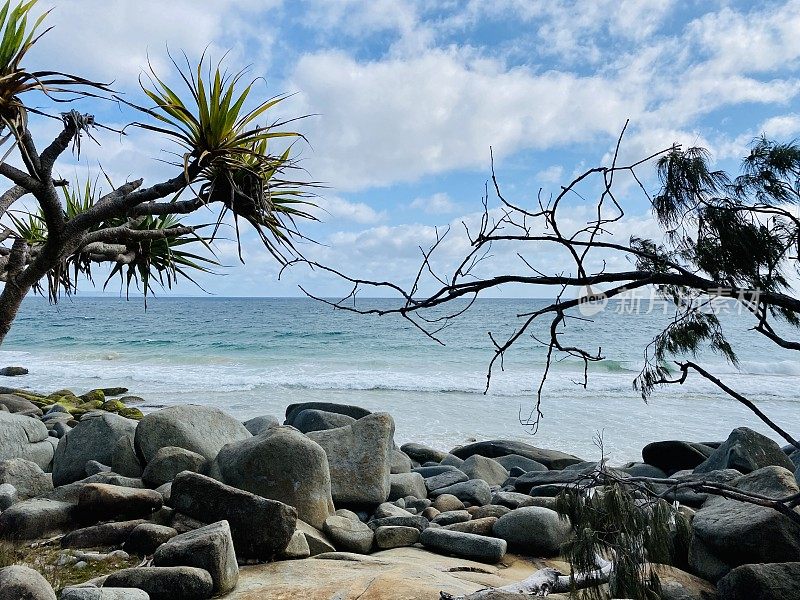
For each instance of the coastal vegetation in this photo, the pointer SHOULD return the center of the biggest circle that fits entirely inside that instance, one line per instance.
(224, 160)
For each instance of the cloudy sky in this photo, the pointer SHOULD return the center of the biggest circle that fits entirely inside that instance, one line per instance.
(407, 97)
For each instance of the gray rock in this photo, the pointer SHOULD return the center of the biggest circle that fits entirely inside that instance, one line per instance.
(60, 429)
(644, 470)
(552, 459)
(422, 453)
(258, 425)
(388, 537)
(434, 470)
(105, 534)
(146, 537)
(95, 593)
(165, 583)
(36, 518)
(298, 547)
(451, 460)
(16, 404)
(407, 484)
(490, 510)
(465, 545)
(343, 512)
(509, 499)
(168, 462)
(359, 457)
(474, 491)
(690, 497)
(201, 429)
(420, 523)
(509, 461)
(92, 467)
(293, 410)
(318, 542)
(204, 498)
(387, 509)
(445, 479)
(401, 463)
(524, 483)
(451, 516)
(13, 371)
(23, 583)
(26, 476)
(209, 548)
(480, 467)
(483, 526)
(71, 492)
(8, 496)
(746, 450)
(91, 439)
(776, 581)
(349, 535)
(728, 533)
(672, 456)
(536, 530)
(25, 437)
(447, 502)
(313, 419)
(102, 501)
(124, 460)
(281, 464)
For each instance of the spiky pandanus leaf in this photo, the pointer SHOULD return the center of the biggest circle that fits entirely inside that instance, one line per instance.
(230, 151)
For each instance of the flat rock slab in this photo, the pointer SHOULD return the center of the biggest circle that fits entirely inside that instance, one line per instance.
(397, 574)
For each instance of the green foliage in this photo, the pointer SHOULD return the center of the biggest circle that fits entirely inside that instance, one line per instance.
(223, 140)
(630, 529)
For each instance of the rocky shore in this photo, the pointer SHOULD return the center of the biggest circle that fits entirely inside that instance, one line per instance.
(100, 501)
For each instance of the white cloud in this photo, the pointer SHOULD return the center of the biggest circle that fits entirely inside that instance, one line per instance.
(552, 174)
(444, 115)
(437, 204)
(340, 208)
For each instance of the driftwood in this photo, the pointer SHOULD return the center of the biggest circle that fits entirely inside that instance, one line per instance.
(540, 583)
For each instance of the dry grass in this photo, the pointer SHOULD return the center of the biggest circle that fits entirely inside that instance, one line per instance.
(44, 558)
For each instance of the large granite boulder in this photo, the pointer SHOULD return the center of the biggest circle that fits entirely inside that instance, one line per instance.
(23, 583)
(99, 501)
(552, 459)
(360, 459)
(18, 404)
(312, 419)
(474, 491)
(124, 460)
(535, 530)
(349, 535)
(407, 484)
(25, 437)
(261, 528)
(280, 464)
(37, 517)
(480, 467)
(201, 429)
(771, 581)
(26, 476)
(260, 424)
(168, 462)
(209, 548)
(467, 545)
(422, 453)
(165, 583)
(113, 533)
(746, 450)
(672, 456)
(293, 410)
(93, 438)
(729, 533)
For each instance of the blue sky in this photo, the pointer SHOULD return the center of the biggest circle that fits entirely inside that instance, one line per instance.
(407, 98)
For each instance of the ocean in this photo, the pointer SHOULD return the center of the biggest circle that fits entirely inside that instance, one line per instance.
(255, 356)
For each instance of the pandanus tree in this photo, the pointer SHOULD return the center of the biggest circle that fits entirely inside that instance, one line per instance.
(142, 234)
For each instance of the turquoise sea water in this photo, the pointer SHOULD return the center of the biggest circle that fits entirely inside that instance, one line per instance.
(256, 356)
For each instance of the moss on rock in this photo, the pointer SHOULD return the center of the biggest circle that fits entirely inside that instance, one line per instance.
(94, 395)
(131, 413)
(113, 406)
